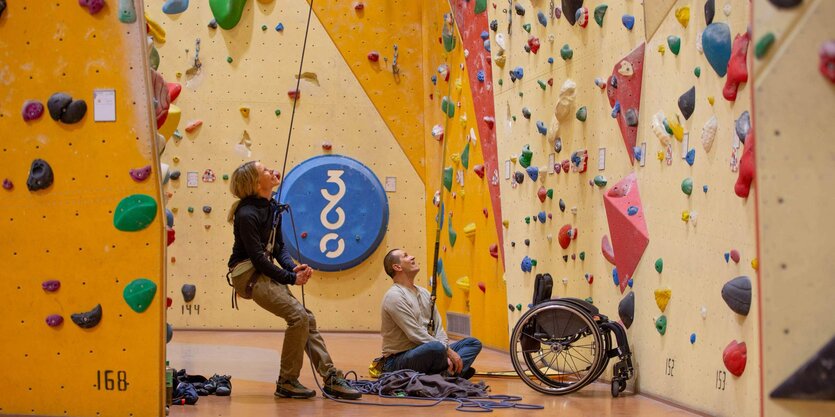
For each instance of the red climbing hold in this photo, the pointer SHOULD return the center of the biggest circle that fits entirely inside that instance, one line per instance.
(304, 235)
(629, 233)
(170, 236)
(737, 66)
(174, 90)
(735, 356)
(533, 43)
(735, 255)
(494, 250)
(482, 286)
(294, 94)
(490, 121)
(564, 236)
(542, 193)
(327, 146)
(374, 56)
(747, 167)
(479, 170)
(607, 250)
(827, 60)
(359, 7)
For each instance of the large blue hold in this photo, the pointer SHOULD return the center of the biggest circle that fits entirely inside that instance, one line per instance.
(175, 6)
(542, 20)
(541, 216)
(716, 42)
(628, 21)
(533, 172)
(527, 265)
(691, 157)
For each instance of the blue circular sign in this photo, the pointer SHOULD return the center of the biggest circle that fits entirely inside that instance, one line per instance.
(340, 211)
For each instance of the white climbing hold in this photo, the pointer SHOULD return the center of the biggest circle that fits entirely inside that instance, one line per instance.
(709, 133)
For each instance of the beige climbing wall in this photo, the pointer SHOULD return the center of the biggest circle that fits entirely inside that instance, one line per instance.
(334, 109)
(794, 157)
(668, 366)
(66, 232)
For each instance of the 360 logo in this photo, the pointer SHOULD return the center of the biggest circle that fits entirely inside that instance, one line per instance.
(340, 211)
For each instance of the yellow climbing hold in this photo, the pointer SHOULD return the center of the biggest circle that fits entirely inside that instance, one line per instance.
(456, 158)
(458, 85)
(660, 155)
(662, 297)
(677, 128)
(755, 264)
(155, 30)
(469, 230)
(683, 15)
(244, 111)
(662, 49)
(710, 100)
(463, 283)
(685, 216)
(513, 158)
(506, 223)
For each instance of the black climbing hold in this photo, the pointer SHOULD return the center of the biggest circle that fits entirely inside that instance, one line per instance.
(743, 125)
(569, 9)
(512, 244)
(520, 10)
(75, 112)
(494, 25)
(527, 242)
(2, 7)
(175, 175)
(57, 104)
(626, 309)
(565, 258)
(785, 4)
(519, 177)
(207, 209)
(613, 82)
(814, 380)
(687, 103)
(710, 11)
(737, 294)
(169, 332)
(89, 319)
(631, 117)
(213, 24)
(40, 175)
(558, 145)
(189, 290)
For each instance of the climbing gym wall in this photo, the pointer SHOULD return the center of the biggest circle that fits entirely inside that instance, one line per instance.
(81, 212)
(236, 106)
(621, 136)
(794, 77)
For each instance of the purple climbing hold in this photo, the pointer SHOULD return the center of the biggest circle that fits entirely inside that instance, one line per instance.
(54, 320)
(687, 103)
(569, 8)
(40, 175)
(716, 42)
(710, 11)
(51, 285)
(93, 6)
(32, 110)
(7, 184)
(140, 174)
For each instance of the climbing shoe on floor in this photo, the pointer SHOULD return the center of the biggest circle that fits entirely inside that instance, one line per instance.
(292, 389)
(220, 385)
(468, 373)
(338, 387)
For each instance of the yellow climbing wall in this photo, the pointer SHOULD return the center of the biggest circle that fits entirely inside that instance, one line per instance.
(66, 232)
(668, 366)
(334, 108)
(794, 104)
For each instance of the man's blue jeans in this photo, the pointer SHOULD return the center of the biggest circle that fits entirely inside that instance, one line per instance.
(431, 358)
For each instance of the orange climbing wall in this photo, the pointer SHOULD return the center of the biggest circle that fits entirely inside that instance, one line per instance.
(66, 232)
(668, 366)
(794, 104)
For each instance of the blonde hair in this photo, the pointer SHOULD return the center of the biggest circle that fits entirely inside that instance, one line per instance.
(244, 184)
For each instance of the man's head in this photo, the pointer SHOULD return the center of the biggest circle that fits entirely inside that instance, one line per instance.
(398, 261)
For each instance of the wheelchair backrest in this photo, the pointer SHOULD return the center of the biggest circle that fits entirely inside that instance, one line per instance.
(542, 288)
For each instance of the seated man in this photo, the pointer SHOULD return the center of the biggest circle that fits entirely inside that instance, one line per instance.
(407, 343)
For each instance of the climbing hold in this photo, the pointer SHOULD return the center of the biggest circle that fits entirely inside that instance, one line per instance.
(582, 256)
(494, 250)
(134, 213)
(212, 24)
(735, 356)
(525, 157)
(658, 126)
(710, 11)
(626, 309)
(527, 242)
(373, 56)
(659, 265)
(127, 11)
(691, 157)
(526, 264)
(279, 27)
(755, 263)
(687, 103)
(540, 127)
(51, 285)
(737, 295)
(511, 307)
(662, 297)
(564, 236)
(629, 233)
(189, 291)
(683, 16)
(448, 107)
(227, 13)
(737, 66)
(140, 174)
(40, 175)
(607, 250)
(494, 25)
(566, 52)
(7, 184)
(175, 175)
(628, 21)
(631, 117)
(169, 218)
(558, 145)
(562, 205)
(519, 307)
(599, 13)
(697, 71)
(785, 4)
(827, 60)
(632, 210)
(453, 236)
(734, 255)
(139, 294)
(541, 217)
(173, 6)
(579, 160)
(600, 181)
(32, 110)
(582, 113)
(747, 168)
(463, 283)
(615, 276)
(709, 133)
(626, 92)
(469, 230)
(661, 324)
(581, 16)
(542, 194)
(193, 125)
(207, 209)
(88, 319)
(675, 44)
(687, 186)
(813, 380)
(62, 107)
(533, 172)
(519, 177)
(520, 10)
(52, 320)
(527, 27)
(716, 41)
(326, 146)
(526, 113)
(764, 44)
(569, 8)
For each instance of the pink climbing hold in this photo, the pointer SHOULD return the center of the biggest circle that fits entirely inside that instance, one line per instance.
(626, 90)
(93, 6)
(482, 286)
(629, 233)
(32, 110)
(494, 250)
(735, 255)
(533, 43)
(607, 250)
(140, 174)
(735, 356)
(827, 60)
(747, 168)
(8, 184)
(737, 66)
(174, 90)
(479, 170)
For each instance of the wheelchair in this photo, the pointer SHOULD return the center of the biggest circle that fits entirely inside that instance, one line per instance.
(561, 345)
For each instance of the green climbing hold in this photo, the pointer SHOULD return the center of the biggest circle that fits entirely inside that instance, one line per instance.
(139, 294)
(191, 209)
(465, 156)
(589, 300)
(127, 12)
(264, 28)
(527, 27)
(600, 181)
(448, 36)
(153, 58)
(448, 178)
(135, 212)
(582, 113)
(659, 265)
(501, 81)
(675, 43)
(550, 193)
(542, 84)
(525, 158)
(599, 13)
(698, 72)
(227, 13)
(533, 262)
(448, 107)
(452, 235)
(519, 307)
(528, 219)
(229, 59)
(278, 112)
(661, 324)
(226, 177)
(764, 44)
(583, 256)
(566, 52)
(667, 126)
(687, 186)
(480, 6)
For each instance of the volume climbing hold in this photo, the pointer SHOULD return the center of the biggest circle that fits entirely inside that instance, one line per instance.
(32, 110)
(569, 8)
(227, 13)
(735, 356)
(716, 41)
(737, 295)
(687, 103)
(626, 309)
(661, 324)
(139, 294)
(628, 21)
(687, 186)
(134, 213)
(88, 319)
(40, 175)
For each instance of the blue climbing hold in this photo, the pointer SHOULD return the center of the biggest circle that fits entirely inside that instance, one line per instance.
(628, 21)
(480, 75)
(615, 276)
(527, 266)
(174, 6)
(629, 283)
(691, 157)
(279, 27)
(517, 74)
(487, 45)
(692, 338)
(727, 257)
(550, 60)
(616, 110)
(542, 20)
(716, 42)
(704, 188)
(632, 210)
(434, 80)
(540, 127)
(541, 217)
(169, 218)
(638, 153)
(533, 172)
(484, 35)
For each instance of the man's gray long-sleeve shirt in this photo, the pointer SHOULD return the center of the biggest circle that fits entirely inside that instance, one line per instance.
(405, 314)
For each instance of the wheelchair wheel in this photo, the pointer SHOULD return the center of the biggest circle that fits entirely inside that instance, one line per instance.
(556, 348)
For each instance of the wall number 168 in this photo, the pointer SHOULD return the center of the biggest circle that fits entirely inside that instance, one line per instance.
(105, 380)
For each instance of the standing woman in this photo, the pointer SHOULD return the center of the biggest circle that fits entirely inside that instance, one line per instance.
(257, 226)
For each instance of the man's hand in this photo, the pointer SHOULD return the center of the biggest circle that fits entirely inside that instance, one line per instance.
(454, 361)
(303, 273)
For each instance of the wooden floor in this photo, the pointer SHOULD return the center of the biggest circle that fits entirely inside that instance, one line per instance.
(252, 358)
